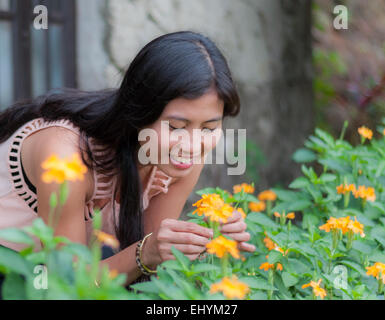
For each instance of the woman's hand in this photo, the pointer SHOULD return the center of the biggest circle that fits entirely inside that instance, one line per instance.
(235, 228)
(188, 237)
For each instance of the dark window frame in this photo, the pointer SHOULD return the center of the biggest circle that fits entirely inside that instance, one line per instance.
(21, 16)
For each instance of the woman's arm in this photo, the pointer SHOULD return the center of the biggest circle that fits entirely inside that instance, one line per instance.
(71, 223)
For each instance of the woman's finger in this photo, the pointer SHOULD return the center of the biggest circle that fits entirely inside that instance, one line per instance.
(184, 248)
(185, 226)
(238, 236)
(183, 238)
(234, 217)
(244, 246)
(238, 226)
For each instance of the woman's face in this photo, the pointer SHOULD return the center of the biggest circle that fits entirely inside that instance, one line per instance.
(185, 132)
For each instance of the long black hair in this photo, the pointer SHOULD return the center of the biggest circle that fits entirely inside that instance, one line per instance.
(181, 64)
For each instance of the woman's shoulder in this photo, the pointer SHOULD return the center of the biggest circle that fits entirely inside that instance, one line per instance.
(59, 140)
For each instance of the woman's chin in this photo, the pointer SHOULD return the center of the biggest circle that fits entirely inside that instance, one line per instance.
(175, 171)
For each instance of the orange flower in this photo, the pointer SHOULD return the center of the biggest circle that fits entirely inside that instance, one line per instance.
(267, 195)
(257, 206)
(344, 224)
(231, 288)
(290, 215)
(106, 238)
(356, 227)
(113, 273)
(365, 132)
(317, 290)
(221, 246)
(267, 266)
(269, 243)
(213, 207)
(59, 170)
(365, 193)
(276, 248)
(377, 270)
(278, 215)
(247, 188)
(344, 188)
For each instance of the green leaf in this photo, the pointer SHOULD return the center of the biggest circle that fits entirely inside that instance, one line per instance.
(355, 266)
(299, 183)
(262, 220)
(257, 283)
(304, 155)
(325, 137)
(259, 295)
(148, 287)
(327, 177)
(378, 233)
(288, 279)
(16, 235)
(205, 267)
(14, 287)
(206, 191)
(288, 195)
(181, 258)
(172, 264)
(274, 256)
(361, 247)
(13, 261)
(380, 168)
(338, 165)
(79, 250)
(299, 205)
(298, 266)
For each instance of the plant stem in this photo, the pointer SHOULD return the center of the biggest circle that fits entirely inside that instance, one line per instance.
(224, 263)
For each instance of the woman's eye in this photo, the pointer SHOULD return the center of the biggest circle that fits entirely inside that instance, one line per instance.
(208, 130)
(173, 128)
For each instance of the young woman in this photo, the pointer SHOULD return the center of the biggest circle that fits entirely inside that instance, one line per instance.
(179, 77)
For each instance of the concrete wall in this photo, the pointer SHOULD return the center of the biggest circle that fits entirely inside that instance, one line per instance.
(268, 47)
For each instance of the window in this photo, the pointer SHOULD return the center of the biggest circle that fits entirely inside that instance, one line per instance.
(34, 61)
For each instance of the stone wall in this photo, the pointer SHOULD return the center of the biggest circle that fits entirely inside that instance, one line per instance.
(268, 47)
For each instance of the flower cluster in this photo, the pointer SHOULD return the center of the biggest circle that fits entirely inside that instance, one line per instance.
(365, 132)
(267, 266)
(344, 224)
(366, 193)
(59, 170)
(247, 188)
(377, 270)
(221, 246)
(213, 207)
(363, 192)
(317, 290)
(231, 288)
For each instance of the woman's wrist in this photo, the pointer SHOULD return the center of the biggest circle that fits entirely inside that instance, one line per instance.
(147, 257)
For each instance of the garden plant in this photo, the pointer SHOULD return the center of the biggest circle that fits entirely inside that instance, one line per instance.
(321, 238)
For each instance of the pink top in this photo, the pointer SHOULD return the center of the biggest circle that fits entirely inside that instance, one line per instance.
(18, 204)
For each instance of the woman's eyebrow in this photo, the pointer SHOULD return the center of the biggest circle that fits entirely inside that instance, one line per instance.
(186, 120)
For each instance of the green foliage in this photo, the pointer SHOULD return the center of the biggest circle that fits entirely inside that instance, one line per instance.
(289, 253)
